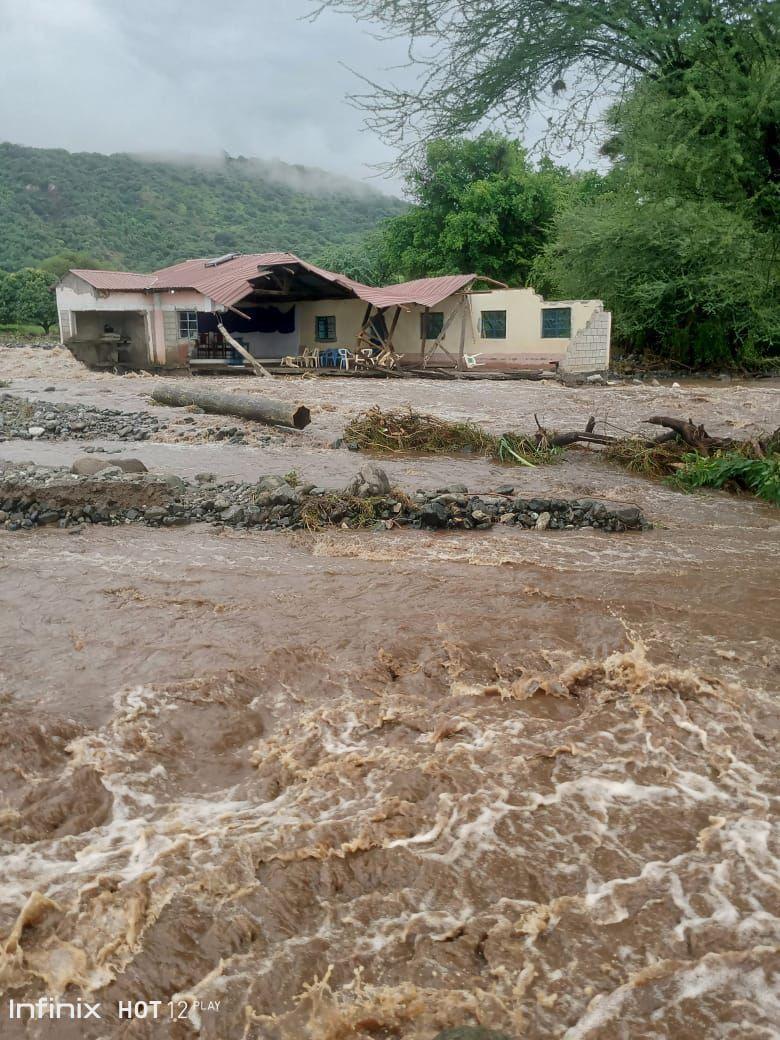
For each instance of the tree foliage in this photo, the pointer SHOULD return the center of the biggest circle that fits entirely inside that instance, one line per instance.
(508, 58)
(478, 206)
(27, 298)
(684, 244)
(136, 214)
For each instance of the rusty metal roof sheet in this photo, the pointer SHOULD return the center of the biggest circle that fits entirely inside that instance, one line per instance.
(120, 280)
(425, 292)
(231, 280)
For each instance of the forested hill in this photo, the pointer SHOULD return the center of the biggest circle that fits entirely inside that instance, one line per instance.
(142, 214)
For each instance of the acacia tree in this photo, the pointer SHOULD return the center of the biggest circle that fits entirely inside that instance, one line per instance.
(508, 58)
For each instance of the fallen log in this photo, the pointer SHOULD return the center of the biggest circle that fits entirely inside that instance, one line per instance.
(244, 406)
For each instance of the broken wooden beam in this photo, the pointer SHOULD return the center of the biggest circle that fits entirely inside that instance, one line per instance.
(243, 406)
(257, 368)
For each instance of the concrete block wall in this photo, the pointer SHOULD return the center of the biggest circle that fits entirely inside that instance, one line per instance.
(589, 348)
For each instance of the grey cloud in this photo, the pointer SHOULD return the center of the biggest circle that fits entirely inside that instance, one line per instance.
(242, 76)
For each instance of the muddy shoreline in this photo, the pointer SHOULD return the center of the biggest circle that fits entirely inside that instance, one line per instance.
(361, 785)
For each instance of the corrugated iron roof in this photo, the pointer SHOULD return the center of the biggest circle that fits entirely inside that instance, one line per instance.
(426, 292)
(232, 280)
(120, 280)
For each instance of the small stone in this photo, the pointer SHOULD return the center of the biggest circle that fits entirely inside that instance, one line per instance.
(543, 522)
(595, 379)
(232, 515)
(36, 431)
(49, 516)
(155, 512)
(205, 478)
(271, 482)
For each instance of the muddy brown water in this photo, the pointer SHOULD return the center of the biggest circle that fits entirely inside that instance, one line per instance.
(362, 785)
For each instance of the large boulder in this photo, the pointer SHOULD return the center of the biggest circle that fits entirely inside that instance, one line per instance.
(88, 465)
(370, 482)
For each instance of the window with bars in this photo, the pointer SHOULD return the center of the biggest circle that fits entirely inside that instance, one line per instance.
(325, 328)
(493, 324)
(556, 323)
(188, 324)
(431, 324)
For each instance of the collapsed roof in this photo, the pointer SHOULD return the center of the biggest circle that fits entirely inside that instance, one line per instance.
(229, 279)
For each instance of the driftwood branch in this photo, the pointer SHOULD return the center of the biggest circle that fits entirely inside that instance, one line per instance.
(695, 437)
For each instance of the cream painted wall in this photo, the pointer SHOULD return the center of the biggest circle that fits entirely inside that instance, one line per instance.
(522, 347)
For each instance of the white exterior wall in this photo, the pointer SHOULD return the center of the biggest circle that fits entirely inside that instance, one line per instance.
(74, 295)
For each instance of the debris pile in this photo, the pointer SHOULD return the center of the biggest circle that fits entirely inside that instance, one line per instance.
(388, 432)
(33, 496)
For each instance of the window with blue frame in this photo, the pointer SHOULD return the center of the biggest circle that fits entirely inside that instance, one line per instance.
(493, 324)
(325, 328)
(432, 324)
(556, 323)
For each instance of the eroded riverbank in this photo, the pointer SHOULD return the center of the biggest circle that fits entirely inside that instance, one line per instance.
(512, 777)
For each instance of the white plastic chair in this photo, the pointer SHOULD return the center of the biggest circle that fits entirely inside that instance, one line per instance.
(471, 360)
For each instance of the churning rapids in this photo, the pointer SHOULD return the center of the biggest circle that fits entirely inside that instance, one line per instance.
(362, 785)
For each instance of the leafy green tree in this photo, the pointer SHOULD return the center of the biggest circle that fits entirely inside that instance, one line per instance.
(480, 206)
(30, 299)
(7, 298)
(58, 265)
(365, 259)
(684, 243)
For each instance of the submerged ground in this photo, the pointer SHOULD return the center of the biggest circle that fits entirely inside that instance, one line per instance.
(370, 785)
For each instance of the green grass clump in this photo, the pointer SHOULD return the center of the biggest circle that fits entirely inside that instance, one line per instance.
(731, 470)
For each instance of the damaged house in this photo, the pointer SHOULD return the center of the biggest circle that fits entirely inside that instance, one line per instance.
(279, 307)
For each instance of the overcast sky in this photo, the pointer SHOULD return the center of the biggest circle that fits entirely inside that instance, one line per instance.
(197, 76)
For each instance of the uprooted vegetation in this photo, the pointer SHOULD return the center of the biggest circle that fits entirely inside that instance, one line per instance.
(689, 458)
(391, 433)
(685, 453)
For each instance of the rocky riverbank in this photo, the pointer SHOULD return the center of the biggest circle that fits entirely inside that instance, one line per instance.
(96, 491)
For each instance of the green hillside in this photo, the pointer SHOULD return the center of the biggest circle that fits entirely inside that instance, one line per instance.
(142, 214)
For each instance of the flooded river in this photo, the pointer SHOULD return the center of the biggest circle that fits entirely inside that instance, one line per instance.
(365, 786)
